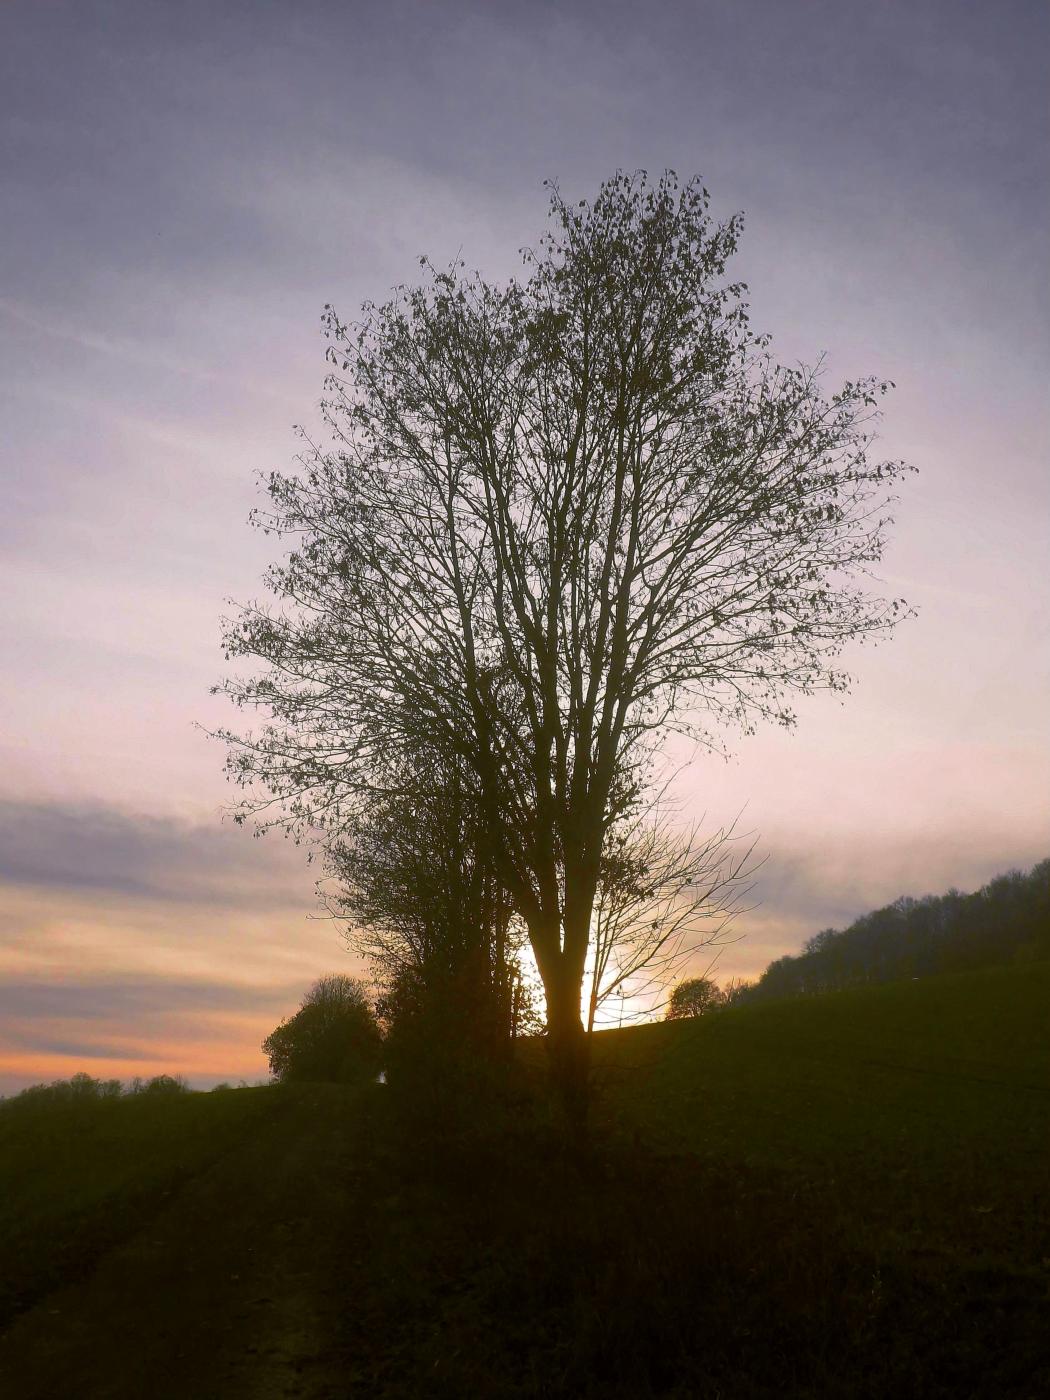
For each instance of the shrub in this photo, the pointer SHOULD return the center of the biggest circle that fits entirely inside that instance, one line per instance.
(693, 997)
(79, 1089)
(333, 1036)
(160, 1084)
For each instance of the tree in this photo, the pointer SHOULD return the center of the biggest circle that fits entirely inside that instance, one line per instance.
(736, 991)
(420, 890)
(693, 997)
(160, 1084)
(1006, 920)
(561, 516)
(663, 894)
(333, 1036)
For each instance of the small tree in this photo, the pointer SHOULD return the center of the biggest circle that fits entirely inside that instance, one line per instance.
(663, 895)
(333, 1036)
(160, 1084)
(418, 886)
(736, 991)
(694, 997)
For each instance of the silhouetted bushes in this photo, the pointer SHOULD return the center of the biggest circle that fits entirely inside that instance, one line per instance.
(82, 1089)
(160, 1084)
(334, 1036)
(693, 997)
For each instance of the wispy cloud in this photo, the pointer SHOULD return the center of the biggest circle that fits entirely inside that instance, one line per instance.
(145, 1025)
(136, 943)
(92, 847)
(133, 1000)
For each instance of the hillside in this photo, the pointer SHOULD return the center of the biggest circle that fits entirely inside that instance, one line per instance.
(925, 1103)
(965, 1054)
(1006, 921)
(841, 1195)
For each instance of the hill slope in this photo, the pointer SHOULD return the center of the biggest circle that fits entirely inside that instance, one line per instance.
(844, 1195)
(919, 1106)
(1005, 921)
(967, 1054)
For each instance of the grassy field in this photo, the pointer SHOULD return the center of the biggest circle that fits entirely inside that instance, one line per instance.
(922, 1107)
(80, 1178)
(845, 1195)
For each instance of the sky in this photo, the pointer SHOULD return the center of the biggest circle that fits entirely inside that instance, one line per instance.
(186, 185)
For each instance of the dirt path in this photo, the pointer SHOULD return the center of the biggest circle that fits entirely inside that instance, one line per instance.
(226, 1294)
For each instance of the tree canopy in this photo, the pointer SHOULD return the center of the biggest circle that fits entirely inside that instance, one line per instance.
(693, 997)
(416, 883)
(333, 1036)
(1007, 920)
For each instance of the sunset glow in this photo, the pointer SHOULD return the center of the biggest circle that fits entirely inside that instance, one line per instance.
(182, 200)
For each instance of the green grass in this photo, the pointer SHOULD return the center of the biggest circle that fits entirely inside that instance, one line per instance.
(846, 1195)
(922, 1108)
(78, 1178)
(839, 1196)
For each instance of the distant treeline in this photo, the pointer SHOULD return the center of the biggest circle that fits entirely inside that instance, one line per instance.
(84, 1089)
(1008, 920)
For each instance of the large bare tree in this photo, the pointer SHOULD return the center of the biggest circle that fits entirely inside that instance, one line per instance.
(560, 515)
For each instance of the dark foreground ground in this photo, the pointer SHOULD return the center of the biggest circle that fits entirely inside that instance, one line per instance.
(846, 1196)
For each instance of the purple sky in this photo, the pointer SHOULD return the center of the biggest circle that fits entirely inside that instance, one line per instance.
(185, 186)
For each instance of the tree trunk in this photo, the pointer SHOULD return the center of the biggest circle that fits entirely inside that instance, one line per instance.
(567, 1045)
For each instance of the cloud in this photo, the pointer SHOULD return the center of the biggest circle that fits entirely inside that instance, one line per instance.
(95, 848)
(137, 352)
(846, 877)
(78, 1050)
(135, 999)
(133, 943)
(131, 1025)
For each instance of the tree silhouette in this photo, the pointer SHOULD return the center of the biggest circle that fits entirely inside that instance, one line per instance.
(420, 891)
(1006, 920)
(663, 894)
(561, 516)
(693, 997)
(333, 1036)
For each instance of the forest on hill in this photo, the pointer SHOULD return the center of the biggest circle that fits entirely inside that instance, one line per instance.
(1005, 921)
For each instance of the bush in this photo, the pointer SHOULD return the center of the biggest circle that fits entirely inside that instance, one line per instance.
(160, 1084)
(80, 1089)
(693, 997)
(333, 1036)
